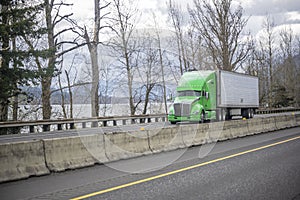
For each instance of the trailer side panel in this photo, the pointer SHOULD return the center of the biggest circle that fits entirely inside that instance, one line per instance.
(237, 90)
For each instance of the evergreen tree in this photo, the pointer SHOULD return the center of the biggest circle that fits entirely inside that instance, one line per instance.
(19, 21)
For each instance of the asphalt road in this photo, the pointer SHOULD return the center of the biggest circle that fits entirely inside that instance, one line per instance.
(264, 166)
(98, 130)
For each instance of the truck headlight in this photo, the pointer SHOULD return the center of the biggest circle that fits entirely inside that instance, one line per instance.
(196, 112)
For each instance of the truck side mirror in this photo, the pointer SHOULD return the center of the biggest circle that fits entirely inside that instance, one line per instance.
(206, 95)
(170, 97)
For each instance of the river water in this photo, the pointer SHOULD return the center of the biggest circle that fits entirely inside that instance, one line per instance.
(34, 112)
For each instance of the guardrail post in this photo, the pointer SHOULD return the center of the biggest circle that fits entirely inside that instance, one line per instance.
(72, 126)
(31, 129)
(114, 122)
(59, 127)
(94, 124)
(104, 123)
(149, 120)
(46, 127)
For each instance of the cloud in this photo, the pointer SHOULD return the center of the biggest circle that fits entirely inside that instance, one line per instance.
(261, 7)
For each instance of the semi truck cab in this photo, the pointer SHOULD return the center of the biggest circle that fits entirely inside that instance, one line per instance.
(195, 99)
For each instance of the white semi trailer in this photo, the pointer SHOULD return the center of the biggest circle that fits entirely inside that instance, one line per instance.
(237, 95)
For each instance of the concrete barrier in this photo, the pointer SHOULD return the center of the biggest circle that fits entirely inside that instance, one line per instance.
(24, 159)
(285, 121)
(297, 118)
(74, 152)
(292, 120)
(227, 130)
(124, 145)
(281, 122)
(255, 126)
(269, 124)
(193, 134)
(239, 128)
(165, 139)
(215, 132)
(21, 160)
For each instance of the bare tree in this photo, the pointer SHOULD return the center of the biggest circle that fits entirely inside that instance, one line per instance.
(160, 52)
(70, 84)
(177, 21)
(221, 27)
(93, 42)
(195, 52)
(54, 34)
(107, 87)
(267, 42)
(123, 26)
(148, 71)
(288, 65)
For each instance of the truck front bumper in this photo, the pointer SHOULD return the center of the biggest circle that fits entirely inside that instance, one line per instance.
(173, 118)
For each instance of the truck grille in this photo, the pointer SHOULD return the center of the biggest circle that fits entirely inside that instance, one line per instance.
(182, 109)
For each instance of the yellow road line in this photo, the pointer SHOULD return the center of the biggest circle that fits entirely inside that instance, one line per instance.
(180, 170)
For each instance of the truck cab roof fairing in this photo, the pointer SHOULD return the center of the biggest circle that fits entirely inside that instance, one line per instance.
(193, 80)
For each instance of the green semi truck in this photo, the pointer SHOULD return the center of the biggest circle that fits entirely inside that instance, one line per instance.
(214, 95)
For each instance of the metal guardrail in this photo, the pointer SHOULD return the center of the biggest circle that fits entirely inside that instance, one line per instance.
(64, 124)
(275, 110)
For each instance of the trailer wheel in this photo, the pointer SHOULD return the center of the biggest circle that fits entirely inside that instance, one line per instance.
(246, 113)
(224, 114)
(251, 113)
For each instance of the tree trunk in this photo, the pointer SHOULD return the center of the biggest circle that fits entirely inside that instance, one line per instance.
(93, 49)
(95, 80)
(129, 82)
(48, 73)
(162, 71)
(15, 108)
(4, 64)
(70, 94)
(3, 111)
(163, 76)
(62, 98)
(46, 95)
(146, 100)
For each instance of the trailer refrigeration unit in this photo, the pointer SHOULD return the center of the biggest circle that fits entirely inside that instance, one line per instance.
(214, 95)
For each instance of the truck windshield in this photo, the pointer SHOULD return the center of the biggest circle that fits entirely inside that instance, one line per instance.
(188, 93)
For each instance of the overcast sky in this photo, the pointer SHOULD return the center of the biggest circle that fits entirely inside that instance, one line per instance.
(284, 12)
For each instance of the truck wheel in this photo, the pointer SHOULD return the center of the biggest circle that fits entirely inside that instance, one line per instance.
(221, 115)
(202, 120)
(173, 122)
